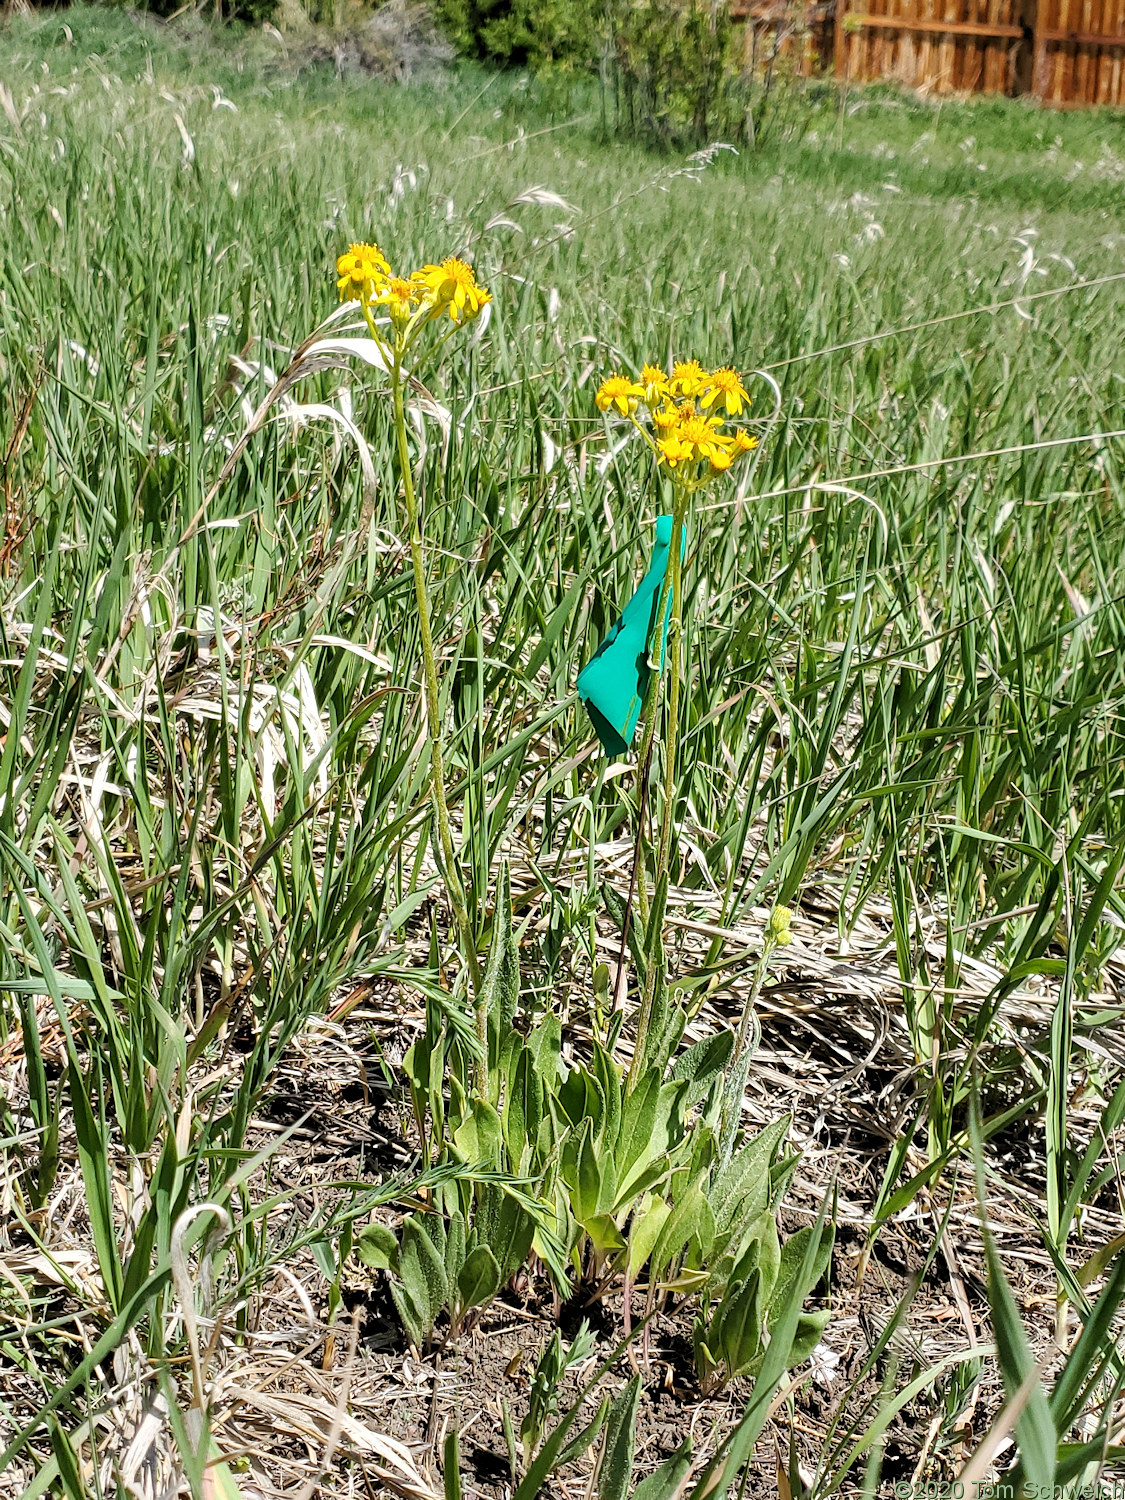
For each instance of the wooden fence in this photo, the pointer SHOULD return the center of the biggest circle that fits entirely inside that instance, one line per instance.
(1068, 53)
(941, 45)
(1079, 52)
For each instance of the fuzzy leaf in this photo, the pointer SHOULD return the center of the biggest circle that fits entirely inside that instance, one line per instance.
(668, 1482)
(609, 1084)
(545, 1046)
(717, 1477)
(377, 1247)
(595, 1181)
(478, 1280)
(422, 1290)
(523, 1112)
(737, 1326)
(479, 1137)
(648, 1220)
(505, 1226)
(742, 1190)
(691, 1219)
(606, 1237)
(810, 1331)
(704, 1060)
(638, 1121)
(585, 1439)
(616, 1467)
(792, 1259)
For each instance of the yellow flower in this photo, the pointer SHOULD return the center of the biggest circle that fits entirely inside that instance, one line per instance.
(726, 386)
(699, 434)
(400, 297)
(452, 285)
(621, 392)
(654, 383)
(688, 378)
(686, 411)
(673, 450)
(694, 437)
(360, 273)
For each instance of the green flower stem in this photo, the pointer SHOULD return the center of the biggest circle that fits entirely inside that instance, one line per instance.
(672, 739)
(652, 698)
(745, 1045)
(447, 856)
(653, 921)
(749, 1028)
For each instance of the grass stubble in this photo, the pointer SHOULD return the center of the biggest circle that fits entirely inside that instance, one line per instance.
(901, 709)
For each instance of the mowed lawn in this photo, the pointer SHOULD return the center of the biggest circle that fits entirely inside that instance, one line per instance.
(904, 713)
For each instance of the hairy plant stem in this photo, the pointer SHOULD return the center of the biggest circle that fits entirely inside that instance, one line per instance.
(748, 1027)
(653, 920)
(746, 1041)
(447, 856)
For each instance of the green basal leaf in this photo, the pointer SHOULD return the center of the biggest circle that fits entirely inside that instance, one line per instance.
(615, 1468)
(480, 1136)
(422, 1289)
(648, 1220)
(738, 1323)
(478, 1280)
(667, 1483)
(604, 1234)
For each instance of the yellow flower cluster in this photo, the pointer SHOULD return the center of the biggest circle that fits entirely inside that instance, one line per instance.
(687, 411)
(363, 275)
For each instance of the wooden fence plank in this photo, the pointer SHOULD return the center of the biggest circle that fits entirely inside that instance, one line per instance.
(954, 28)
(1067, 52)
(1113, 93)
(1084, 38)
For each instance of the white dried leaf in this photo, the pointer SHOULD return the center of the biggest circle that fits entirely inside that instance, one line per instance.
(189, 144)
(366, 350)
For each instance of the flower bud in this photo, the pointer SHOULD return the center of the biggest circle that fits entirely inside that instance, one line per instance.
(781, 919)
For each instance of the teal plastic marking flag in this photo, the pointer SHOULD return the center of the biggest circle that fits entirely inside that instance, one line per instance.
(613, 682)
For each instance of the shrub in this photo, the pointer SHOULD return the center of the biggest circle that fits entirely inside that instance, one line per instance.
(524, 33)
(678, 72)
(395, 40)
(673, 64)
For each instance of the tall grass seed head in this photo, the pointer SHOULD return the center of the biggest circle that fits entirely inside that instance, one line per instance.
(360, 273)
